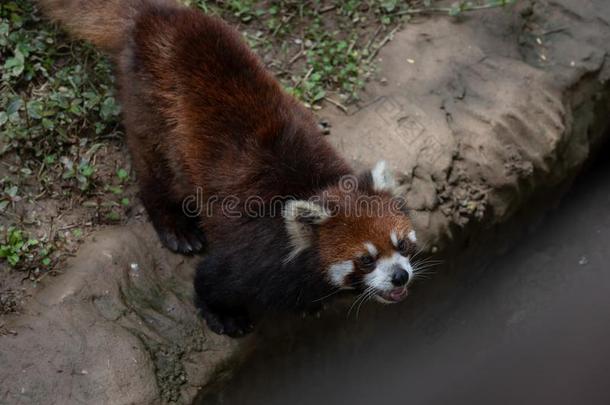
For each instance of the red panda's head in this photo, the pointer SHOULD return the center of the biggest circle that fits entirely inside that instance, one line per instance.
(361, 232)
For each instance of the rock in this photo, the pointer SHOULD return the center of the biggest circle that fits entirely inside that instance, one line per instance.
(484, 119)
(117, 327)
(421, 195)
(495, 108)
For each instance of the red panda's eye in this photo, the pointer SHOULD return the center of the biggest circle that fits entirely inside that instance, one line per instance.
(405, 248)
(367, 261)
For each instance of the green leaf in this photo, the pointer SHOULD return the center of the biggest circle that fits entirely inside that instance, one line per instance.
(48, 124)
(87, 170)
(14, 106)
(75, 107)
(320, 94)
(389, 5)
(455, 10)
(13, 259)
(15, 65)
(110, 109)
(14, 237)
(12, 191)
(115, 189)
(122, 174)
(4, 29)
(34, 109)
(113, 216)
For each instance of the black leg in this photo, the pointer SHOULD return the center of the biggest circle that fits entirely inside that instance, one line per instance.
(220, 300)
(177, 231)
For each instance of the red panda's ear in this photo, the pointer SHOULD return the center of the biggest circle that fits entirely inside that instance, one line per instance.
(301, 217)
(383, 179)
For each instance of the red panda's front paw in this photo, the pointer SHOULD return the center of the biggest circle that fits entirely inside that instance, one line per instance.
(314, 311)
(183, 237)
(233, 326)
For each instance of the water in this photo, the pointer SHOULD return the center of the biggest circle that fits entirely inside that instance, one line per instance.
(529, 327)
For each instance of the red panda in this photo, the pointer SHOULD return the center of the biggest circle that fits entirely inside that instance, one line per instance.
(204, 117)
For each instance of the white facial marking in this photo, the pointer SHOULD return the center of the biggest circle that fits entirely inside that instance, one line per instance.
(412, 237)
(371, 249)
(337, 273)
(381, 277)
(394, 238)
(382, 178)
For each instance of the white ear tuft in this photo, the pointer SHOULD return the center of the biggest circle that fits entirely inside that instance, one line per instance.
(383, 179)
(301, 217)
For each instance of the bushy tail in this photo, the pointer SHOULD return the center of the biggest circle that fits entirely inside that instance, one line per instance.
(105, 23)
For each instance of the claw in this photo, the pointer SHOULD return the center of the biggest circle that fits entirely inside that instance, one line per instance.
(186, 240)
(170, 241)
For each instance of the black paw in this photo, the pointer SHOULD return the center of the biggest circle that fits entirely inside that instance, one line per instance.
(183, 236)
(314, 310)
(234, 326)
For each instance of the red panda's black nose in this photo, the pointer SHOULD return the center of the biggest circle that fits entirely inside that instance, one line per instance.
(400, 276)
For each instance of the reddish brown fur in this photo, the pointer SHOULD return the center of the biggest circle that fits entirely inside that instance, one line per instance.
(214, 115)
(371, 218)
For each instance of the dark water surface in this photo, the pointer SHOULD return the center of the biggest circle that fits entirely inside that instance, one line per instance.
(529, 327)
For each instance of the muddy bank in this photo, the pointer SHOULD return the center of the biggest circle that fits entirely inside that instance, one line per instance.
(476, 115)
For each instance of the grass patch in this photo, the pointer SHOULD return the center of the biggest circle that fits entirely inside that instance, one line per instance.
(21, 252)
(58, 119)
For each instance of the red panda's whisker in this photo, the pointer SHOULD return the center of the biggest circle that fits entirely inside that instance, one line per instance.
(336, 291)
(353, 304)
(421, 266)
(420, 250)
(368, 297)
(424, 266)
(360, 297)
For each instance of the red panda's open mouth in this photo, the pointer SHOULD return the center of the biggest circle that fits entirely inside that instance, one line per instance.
(394, 295)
